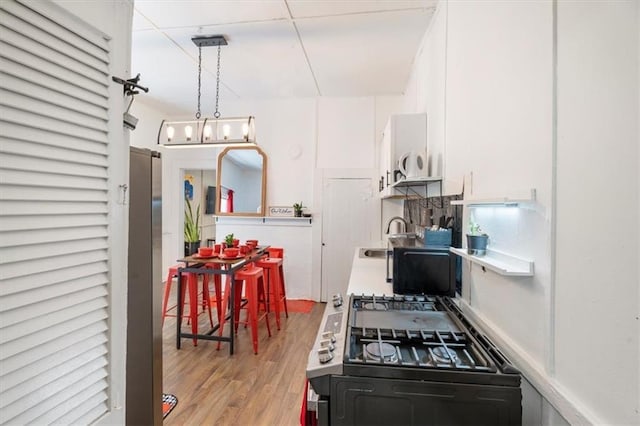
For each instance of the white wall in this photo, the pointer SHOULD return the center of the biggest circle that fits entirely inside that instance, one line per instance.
(149, 118)
(498, 127)
(346, 133)
(294, 237)
(293, 133)
(597, 280)
(499, 135)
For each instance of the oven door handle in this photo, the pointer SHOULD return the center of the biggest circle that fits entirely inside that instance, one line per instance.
(312, 399)
(317, 409)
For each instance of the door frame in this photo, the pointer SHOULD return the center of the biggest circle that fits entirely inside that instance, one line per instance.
(173, 167)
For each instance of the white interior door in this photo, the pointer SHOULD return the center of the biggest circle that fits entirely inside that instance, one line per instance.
(351, 213)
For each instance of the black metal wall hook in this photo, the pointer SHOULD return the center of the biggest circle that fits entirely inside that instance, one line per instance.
(130, 89)
(130, 85)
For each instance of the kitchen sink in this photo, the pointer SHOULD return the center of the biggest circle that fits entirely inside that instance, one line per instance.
(404, 240)
(379, 253)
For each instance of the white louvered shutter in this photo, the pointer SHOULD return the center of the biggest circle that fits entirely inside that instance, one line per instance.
(54, 222)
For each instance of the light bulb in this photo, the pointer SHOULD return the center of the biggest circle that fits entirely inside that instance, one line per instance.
(245, 131)
(170, 132)
(207, 132)
(188, 131)
(226, 130)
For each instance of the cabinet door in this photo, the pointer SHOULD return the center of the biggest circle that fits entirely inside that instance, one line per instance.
(386, 163)
(403, 133)
(409, 133)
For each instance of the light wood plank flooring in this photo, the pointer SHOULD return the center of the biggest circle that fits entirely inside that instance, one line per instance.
(214, 388)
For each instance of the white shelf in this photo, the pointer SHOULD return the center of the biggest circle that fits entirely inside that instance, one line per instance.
(418, 181)
(255, 220)
(401, 197)
(528, 198)
(502, 263)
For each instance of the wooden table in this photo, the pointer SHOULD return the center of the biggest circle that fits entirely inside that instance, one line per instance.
(227, 267)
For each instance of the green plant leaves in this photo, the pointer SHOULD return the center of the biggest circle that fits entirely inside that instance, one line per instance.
(191, 223)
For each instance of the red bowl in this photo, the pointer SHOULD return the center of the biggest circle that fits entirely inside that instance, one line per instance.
(252, 242)
(236, 242)
(231, 252)
(205, 251)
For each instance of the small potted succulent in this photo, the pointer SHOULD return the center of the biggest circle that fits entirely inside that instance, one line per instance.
(297, 209)
(231, 249)
(476, 240)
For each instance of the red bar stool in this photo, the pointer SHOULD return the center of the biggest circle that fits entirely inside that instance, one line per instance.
(217, 289)
(278, 252)
(253, 279)
(189, 282)
(173, 273)
(276, 290)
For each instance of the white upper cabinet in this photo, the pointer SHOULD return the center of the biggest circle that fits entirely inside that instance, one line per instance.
(403, 133)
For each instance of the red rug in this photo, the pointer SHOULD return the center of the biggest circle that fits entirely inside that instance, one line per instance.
(300, 305)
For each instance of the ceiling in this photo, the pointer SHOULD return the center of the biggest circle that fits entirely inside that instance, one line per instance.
(276, 49)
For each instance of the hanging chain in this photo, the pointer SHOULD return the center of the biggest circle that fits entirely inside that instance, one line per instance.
(199, 79)
(217, 113)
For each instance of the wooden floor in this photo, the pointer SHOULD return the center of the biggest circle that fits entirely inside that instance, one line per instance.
(213, 387)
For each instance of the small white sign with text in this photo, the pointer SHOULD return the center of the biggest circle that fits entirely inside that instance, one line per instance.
(281, 211)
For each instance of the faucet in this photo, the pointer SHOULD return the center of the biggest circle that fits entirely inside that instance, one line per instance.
(401, 219)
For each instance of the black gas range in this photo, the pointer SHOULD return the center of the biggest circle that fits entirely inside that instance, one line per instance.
(408, 359)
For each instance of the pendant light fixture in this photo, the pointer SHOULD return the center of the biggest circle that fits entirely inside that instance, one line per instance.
(212, 131)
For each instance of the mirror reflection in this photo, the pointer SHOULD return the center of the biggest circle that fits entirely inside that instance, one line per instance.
(241, 181)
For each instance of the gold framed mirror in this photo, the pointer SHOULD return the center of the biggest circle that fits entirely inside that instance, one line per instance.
(241, 182)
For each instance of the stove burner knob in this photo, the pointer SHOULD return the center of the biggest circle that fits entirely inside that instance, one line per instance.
(325, 355)
(337, 300)
(327, 344)
(329, 336)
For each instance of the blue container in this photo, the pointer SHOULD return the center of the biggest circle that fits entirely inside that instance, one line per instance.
(440, 238)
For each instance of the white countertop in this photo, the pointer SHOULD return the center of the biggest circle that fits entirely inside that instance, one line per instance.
(368, 275)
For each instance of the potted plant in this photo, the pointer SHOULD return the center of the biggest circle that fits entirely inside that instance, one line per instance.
(228, 240)
(191, 229)
(476, 240)
(297, 209)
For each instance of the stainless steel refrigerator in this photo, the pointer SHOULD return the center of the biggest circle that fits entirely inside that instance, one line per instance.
(144, 299)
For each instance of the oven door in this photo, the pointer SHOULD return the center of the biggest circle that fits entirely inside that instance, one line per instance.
(378, 401)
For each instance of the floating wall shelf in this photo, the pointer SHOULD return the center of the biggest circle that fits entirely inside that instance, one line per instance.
(420, 181)
(279, 220)
(409, 184)
(499, 201)
(502, 263)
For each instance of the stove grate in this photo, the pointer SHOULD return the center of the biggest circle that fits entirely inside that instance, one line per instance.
(443, 349)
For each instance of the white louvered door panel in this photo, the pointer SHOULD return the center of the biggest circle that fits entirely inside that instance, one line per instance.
(54, 221)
